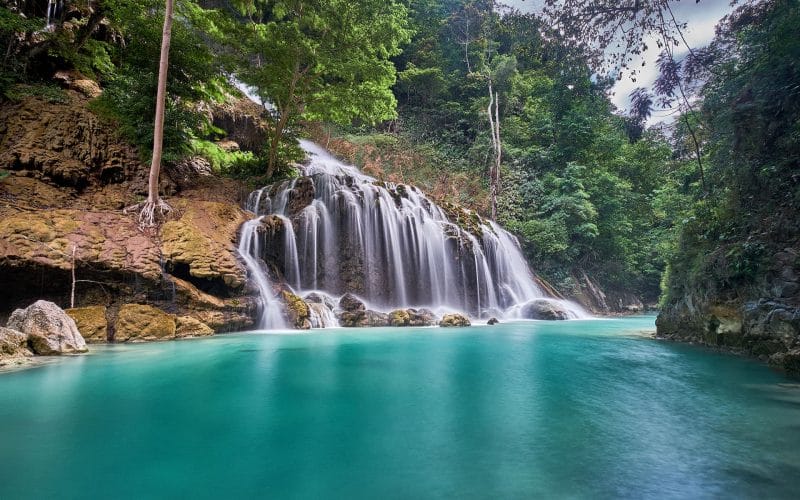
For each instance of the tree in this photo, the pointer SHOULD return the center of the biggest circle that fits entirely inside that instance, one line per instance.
(324, 60)
(154, 202)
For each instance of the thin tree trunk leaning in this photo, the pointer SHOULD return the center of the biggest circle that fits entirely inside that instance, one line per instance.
(147, 217)
(497, 148)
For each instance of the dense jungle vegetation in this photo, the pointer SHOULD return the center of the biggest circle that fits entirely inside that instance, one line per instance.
(481, 105)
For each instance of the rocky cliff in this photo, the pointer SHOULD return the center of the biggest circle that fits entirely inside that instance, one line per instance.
(62, 225)
(760, 320)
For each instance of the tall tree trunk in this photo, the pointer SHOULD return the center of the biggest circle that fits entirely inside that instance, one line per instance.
(161, 94)
(146, 209)
(497, 148)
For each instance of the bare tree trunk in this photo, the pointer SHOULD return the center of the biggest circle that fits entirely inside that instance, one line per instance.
(148, 208)
(72, 293)
(497, 149)
(158, 131)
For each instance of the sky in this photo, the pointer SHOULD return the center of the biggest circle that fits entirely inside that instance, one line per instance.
(701, 17)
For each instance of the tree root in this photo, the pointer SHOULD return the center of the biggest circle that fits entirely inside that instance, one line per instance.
(151, 213)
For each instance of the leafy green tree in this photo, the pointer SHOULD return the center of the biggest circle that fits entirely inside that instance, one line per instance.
(324, 60)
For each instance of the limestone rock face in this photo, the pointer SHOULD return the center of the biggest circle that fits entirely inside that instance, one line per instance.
(64, 142)
(91, 322)
(49, 329)
(138, 322)
(13, 344)
(544, 309)
(202, 240)
(451, 320)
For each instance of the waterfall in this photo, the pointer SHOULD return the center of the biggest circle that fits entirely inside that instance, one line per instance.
(270, 315)
(337, 230)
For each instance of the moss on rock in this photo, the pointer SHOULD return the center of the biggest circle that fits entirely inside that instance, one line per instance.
(138, 322)
(92, 323)
(297, 311)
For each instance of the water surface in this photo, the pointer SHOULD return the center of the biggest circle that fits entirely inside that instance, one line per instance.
(581, 409)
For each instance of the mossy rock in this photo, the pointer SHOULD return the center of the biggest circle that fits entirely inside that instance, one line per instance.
(297, 311)
(454, 320)
(138, 322)
(92, 323)
(399, 317)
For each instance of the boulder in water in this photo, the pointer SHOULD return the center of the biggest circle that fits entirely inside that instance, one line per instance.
(91, 322)
(493, 321)
(320, 298)
(375, 318)
(451, 320)
(421, 317)
(49, 329)
(544, 309)
(297, 311)
(412, 317)
(399, 317)
(351, 303)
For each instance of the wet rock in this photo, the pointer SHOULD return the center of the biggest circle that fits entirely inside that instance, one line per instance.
(187, 326)
(49, 329)
(376, 318)
(492, 321)
(139, 322)
(787, 361)
(319, 298)
(91, 322)
(399, 317)
(544, 309)
(421, 317)
(351, 303)
(412, 317)
(452, 320)
(297, 311)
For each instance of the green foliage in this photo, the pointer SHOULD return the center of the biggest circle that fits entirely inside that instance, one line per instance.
(750, 114)
(325, 60)
(50, 93)
(195, 76)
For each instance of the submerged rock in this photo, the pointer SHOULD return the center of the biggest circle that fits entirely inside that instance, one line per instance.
(49, 329)
(91, 322)
(451, 320)
(544, 309)
(138, 322)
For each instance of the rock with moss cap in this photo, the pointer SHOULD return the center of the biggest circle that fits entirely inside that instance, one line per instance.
(454, 320)
(297, 311)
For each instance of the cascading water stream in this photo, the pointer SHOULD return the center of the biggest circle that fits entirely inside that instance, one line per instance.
(337, 230)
